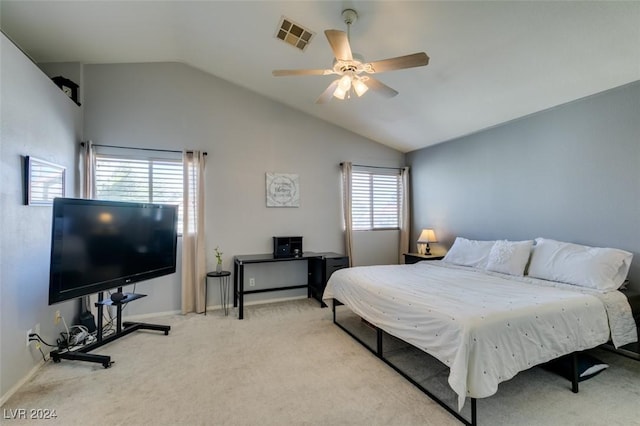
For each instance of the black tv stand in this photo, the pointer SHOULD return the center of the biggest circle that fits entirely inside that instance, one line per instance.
(122, 329)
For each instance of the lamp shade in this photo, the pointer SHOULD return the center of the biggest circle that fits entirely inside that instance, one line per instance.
(359, 87)
(427, 236)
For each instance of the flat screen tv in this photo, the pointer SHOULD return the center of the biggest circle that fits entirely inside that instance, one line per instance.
(99, 245)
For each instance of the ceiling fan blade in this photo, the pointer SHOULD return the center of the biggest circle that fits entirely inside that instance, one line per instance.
(281, 73)
(380, 87)
(401, 62)
(328, 93)
(339, 44)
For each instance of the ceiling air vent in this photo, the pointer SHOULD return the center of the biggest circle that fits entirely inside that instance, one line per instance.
(294, 34)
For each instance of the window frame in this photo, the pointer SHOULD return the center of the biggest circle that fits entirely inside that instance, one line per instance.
(374, 211)
(151, 176)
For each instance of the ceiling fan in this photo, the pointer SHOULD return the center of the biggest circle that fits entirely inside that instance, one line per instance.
(351, 68)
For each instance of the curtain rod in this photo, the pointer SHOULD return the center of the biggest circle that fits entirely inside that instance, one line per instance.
(139, 149)
(376, 167)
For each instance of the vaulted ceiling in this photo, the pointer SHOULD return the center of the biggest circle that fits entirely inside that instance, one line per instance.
(490, 62)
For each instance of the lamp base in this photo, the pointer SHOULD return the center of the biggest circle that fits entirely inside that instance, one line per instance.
(427, 249)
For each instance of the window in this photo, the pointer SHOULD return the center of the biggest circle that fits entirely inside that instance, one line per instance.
(376, 200)
(139, 179)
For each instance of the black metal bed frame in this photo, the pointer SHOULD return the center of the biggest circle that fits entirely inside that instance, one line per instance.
(378, 352)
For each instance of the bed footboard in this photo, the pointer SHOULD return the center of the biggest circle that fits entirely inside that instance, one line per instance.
(376, 341)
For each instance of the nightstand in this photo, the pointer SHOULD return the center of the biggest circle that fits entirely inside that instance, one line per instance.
(410, 258)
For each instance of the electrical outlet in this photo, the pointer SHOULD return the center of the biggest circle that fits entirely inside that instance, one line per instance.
(252, 282)
(34, 330)
(57, 318)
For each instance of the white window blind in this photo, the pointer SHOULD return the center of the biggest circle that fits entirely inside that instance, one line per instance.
(137, 179)
(375, 200)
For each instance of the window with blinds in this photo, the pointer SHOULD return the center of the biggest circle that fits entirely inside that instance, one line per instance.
(143, 180)
(376, 200)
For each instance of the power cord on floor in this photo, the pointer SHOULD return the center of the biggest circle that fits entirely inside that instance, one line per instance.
(38, 346)
(74, 337)
(44, 358)
(35, 337)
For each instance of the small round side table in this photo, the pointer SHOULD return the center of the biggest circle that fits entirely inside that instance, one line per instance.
(224, 278)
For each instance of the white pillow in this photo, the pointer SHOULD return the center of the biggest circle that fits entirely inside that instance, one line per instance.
(593, 267)
(469, 252)
(509, 257)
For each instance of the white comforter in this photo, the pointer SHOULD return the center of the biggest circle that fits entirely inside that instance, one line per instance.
(486, 327)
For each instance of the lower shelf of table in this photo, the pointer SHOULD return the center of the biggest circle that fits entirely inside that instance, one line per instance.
(265, 290)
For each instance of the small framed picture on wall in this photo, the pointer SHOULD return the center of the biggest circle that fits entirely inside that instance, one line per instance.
(43, 181)
(283, 190)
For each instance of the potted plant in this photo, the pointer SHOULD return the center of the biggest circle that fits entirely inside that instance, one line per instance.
(218, 259)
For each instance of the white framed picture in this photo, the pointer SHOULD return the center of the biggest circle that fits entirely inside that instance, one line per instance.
(43, 181)
(283, 190)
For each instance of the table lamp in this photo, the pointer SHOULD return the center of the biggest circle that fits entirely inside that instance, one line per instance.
(426, 236)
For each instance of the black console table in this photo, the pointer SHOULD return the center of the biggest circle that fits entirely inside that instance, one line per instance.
(316, 275)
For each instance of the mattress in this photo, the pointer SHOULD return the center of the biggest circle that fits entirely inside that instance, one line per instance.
(486, 327)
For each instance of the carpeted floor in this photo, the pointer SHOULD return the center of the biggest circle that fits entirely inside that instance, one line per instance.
(287, 364)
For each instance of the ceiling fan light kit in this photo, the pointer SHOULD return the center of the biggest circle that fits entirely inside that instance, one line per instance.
(349, 67)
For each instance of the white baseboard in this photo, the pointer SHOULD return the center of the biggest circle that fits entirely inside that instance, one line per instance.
(21, 383)
(283, 299)
(257, 302)
(134, 318)
(140, 317)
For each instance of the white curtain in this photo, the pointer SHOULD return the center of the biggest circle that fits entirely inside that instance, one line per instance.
(87, 190)
(405, 218)
(346, 206)
(87, 168)
(193, 242)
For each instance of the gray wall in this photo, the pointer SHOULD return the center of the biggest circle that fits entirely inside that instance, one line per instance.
(37, 120)
(570, 173)
(166, 106)
(174, 106)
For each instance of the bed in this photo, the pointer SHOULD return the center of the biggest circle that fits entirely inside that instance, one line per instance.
(485, 324)
(631, 350)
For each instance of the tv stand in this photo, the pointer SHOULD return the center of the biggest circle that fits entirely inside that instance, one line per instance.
(122, 329)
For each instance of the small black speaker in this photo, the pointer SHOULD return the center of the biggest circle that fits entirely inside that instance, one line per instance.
(118, 297)
(282, 250)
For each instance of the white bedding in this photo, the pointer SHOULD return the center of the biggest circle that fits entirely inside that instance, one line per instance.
(486, 327)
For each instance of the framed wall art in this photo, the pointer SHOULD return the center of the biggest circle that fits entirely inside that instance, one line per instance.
(283, 190)
(43, 181)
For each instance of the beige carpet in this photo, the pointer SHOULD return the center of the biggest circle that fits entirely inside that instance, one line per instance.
(287, 364)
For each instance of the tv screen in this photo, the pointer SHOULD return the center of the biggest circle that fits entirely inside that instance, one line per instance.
(99, 245)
